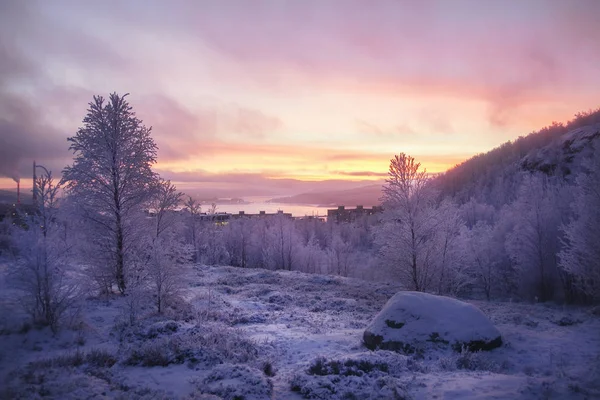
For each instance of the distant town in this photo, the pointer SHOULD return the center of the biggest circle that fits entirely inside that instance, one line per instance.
(338, 215)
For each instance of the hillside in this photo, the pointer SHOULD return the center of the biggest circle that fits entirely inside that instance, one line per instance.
(366, 196)
(10, 196)
(492, 177)
(259, 334)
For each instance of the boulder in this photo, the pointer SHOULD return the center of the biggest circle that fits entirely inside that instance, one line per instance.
(414, 322)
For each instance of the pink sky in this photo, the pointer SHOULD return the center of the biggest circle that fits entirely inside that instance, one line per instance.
(309, 90)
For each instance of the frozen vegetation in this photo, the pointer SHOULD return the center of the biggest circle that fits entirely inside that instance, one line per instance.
(111, 291)
(259, 334)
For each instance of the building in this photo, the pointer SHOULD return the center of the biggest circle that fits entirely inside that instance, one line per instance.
(222, 217)
(343, 214)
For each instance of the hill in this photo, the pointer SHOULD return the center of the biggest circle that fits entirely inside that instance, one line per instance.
(493, 177)
(10, 196)
(366, 196)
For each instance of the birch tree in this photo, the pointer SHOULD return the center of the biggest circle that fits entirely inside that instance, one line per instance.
(408, 226)
(111, 179)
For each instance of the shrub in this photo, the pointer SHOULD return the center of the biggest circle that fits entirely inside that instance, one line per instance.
(268, 369)
(472, 361)
(349, 367)
(232, 382)
(100, 358)
(95, 358)
(150, 355)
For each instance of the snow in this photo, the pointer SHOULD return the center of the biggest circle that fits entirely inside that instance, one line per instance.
(308, 330)
(417, 320)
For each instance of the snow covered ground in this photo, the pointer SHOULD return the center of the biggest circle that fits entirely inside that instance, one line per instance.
(258, 334)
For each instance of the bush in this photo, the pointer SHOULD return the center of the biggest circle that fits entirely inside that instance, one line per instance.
(209, 344)
(467, 360)
(268, 369)
(151, 355)
(95, 358)
(227, 344)
(100, 358)
(365, 376)
(161, 328)
(349, 367)
(232, 382)
(349, 387)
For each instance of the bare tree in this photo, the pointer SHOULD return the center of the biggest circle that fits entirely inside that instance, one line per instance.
(280, 251)
(111, 177)
(535, 239)
(482, 255)
(339, 255)
(41, 270)
(408, 225)
(163, 204)
(167, 250)
(194, 209)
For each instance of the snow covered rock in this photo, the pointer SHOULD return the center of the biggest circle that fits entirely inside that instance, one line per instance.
(415, 321)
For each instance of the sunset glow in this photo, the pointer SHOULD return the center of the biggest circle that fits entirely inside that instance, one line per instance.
(307, 90)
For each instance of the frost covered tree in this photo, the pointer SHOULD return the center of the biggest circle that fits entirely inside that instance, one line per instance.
(41, 271)
(111, 179)
(452, 273)
(193, 209)
(310, 256)
(237, 235)
(281, 246)
(163, 203)
(339, 255)
(580, 258)
(482, 256)
(167, 250)
(535, 240)
(408, 226)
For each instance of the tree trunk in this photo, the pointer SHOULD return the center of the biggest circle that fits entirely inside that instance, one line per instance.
(414, 260)
(120, 270)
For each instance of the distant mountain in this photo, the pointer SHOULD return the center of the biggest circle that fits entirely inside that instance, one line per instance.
(366, 196)
(10, 196)
(267, 187)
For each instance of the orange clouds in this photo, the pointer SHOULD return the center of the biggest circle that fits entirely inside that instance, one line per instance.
(310, 89)
(302, 162)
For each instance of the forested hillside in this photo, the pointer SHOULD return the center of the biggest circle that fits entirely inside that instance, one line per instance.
(494, 177)
(530, 209)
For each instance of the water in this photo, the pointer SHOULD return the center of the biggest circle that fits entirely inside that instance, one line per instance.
(257, 204)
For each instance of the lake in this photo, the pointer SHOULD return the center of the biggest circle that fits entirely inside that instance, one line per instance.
(257, 204)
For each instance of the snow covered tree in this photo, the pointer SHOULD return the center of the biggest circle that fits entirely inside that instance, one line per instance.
(408, 225)
(193, 208)
(280, 252)
(237, 236)
(452, 273)
(339, 255)
(482, 256)
(111, 179)
(535, 241)
(166, 247)
(580, 258)
(41, 270)
(163, 203)
(310, 256)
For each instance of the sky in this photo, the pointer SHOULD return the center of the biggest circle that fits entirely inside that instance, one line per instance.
(267, 94)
